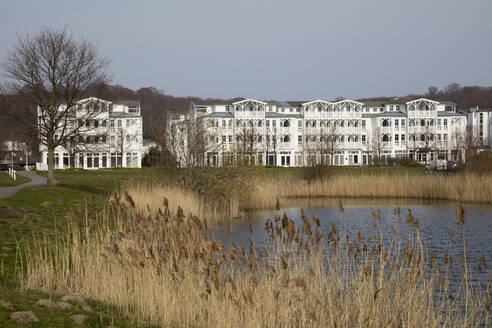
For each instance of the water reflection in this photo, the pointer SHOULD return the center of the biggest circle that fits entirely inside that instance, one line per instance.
(437, 222)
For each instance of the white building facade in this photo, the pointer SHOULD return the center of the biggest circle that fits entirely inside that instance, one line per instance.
(112, 138)
(480, 128)
(297, 133)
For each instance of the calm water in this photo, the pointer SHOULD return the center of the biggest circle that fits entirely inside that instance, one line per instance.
(437, 223)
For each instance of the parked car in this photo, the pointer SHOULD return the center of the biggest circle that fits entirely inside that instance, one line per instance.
(452, 166)
(431, 166)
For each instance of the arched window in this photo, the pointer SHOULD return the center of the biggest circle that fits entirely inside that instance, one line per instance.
(238, 108)
(314, 124)
(386, 122)
(412, 137)
(329, 108)
(350, 139)
(320, 108)
(386, 138)
(260, 123)
(422, 137)
(251, 124)
(260, 139)
(422, 122)
(411, 123)
(322, 124)
(286, 123)
(431, 122)
(412, 107)
(287, 138)
(260, 108)
(307, 124)
(342, 123)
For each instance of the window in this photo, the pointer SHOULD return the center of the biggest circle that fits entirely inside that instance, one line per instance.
(386, 138)
(96, 123)
(131, 159)
(445, 121)
(286, 123)
(402, 137)
(87, 123)
(299, 139)
(274, 123)
(445, 137)
(230, 124)
(286, 139)
(224, 124)
(386, 122)
(363, 123)
(224, 139)
(104, 160)
(299, 123)
(103, 122)
(119, 123)
(438, 122)
(402, 122)
(268, 123)
(230, 139)
(260, 123)
(363, 137)
(111, 123)
(132, 109)
(422, 137)
(396, 137)
(438, 137)
(397, 122)
(422, 122)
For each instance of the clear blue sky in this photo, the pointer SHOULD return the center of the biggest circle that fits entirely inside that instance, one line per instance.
(275, 49)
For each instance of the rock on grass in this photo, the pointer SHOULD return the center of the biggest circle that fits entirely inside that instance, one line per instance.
(79, 318)
(46, 302)
(6, 305)
(23, 317)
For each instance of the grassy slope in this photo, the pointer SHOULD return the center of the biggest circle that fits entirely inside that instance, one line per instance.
(7, 181)
(32, 211)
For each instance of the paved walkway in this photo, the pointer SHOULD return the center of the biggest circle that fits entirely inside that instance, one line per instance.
(36, 180)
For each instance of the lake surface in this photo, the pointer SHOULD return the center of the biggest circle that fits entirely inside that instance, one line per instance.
(437, 222)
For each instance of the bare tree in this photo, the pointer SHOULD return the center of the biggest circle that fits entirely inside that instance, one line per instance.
(56, 71)
(426, 144)
(329, 143)
(378, 143)
(272, 143)
(247, 139)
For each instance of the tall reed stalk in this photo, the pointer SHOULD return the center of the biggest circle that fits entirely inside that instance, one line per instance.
(156, 265)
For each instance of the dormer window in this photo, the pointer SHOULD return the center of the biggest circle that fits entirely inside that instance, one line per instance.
(132, 109)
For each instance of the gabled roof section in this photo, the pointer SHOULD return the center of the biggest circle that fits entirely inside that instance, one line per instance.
(419, 100)
(246, 100)
(317, 101)
(348, 101)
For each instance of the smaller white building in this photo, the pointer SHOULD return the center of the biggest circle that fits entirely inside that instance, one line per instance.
(113, 138)
(480, 128)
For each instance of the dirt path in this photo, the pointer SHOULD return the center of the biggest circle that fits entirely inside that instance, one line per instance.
(36, 180)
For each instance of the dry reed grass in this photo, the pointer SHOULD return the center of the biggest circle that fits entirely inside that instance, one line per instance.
(159, 268)
(460, 187)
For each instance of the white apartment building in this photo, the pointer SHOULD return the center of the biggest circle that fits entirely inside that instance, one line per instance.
(480, 128)
(112, 138)
(297, 133)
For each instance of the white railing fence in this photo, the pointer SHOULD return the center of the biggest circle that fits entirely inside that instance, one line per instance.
(12, 173)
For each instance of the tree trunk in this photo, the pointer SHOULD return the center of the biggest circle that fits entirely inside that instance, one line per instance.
(51, 166)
